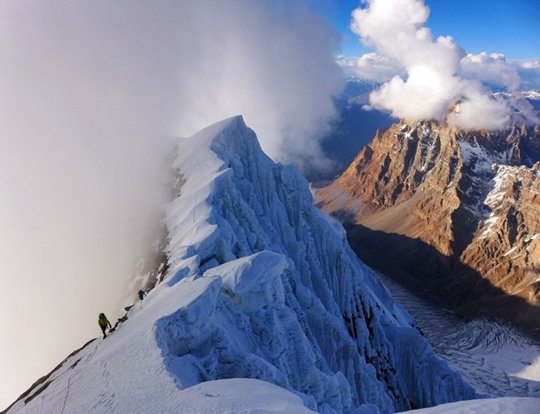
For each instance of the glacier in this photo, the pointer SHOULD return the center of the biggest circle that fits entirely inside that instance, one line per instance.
(264, 308)
(492, 356)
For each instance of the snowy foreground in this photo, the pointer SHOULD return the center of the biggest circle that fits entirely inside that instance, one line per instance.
(265, 309)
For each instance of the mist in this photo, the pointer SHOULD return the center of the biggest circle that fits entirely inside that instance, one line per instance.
(89, 92)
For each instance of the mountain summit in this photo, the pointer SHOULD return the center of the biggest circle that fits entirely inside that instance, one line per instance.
(264, 307)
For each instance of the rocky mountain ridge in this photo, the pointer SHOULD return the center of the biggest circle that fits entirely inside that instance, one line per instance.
(456, 211)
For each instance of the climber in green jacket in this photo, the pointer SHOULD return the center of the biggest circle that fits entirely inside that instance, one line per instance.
(103, 322)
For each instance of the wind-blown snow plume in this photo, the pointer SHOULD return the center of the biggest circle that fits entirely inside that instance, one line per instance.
(434, 81)
(86, 90)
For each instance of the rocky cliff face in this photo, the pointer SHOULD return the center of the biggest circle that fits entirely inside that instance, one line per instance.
(506, 248)
(455, 211)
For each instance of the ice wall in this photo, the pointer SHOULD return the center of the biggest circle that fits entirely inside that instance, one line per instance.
(333, 332)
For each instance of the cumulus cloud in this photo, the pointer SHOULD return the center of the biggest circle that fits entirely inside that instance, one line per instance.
(372, 66)
(438, 72)
(491, 69)
(87, 91)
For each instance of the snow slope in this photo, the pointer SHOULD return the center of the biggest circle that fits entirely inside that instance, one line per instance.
(261, 286)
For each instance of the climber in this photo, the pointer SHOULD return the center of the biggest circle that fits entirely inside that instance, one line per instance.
(141, 294)
(103, 322)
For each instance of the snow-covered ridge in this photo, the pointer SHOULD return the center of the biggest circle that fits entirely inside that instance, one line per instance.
(258, 205)
(532, 94)
(262, 286)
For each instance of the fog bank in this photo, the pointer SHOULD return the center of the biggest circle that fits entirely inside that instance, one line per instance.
(88, 91)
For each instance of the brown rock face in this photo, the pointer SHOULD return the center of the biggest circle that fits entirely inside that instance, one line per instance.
(455, 213)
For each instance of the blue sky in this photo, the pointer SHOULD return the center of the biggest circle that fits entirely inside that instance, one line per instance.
(509, 27)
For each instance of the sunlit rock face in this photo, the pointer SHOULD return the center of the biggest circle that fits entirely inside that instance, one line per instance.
(457, 211)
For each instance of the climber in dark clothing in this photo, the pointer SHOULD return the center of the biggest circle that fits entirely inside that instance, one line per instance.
(141, 294)
(103, 322)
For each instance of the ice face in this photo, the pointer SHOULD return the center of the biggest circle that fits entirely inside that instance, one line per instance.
(334, 310)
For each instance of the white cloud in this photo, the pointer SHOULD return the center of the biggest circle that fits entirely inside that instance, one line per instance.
(372, 66)
(534, 64)
(87, 89)
(493, 68)
(438, 73)
(479, 110)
